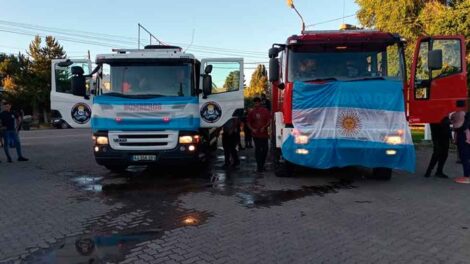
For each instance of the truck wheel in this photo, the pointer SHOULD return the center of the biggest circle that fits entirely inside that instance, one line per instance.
(384, 174)
(116, 168)
(64, 125)
(284, 169)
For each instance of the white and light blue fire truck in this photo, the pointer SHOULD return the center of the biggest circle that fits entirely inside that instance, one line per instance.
(148, 106)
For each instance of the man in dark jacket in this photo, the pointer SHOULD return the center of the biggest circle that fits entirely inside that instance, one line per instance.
(10, 123)
(265, 102)
(441, 136)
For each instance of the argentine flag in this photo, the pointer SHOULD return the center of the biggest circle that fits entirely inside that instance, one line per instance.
(350, 123)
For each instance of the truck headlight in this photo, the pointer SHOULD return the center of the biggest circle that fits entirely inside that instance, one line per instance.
(302, 151)
(102, 140)
(186, 140)
(301, 139)
(393, 140)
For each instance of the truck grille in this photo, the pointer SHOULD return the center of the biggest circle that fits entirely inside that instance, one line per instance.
(143, 140)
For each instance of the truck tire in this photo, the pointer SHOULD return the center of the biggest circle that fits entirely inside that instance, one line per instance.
(284, 169)
(116, 168)
(64, 125)
(384, 174)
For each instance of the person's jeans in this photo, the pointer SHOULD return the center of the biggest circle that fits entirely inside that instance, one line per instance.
(248, 137)
(11, 137)
(261, 151)
(440, 144)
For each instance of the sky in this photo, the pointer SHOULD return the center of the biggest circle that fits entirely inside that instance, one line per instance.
(206, 28)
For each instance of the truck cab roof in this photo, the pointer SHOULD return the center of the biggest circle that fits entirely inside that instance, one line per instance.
(343, 36)
(150, 52)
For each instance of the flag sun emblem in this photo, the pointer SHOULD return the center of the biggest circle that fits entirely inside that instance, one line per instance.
(349, 123)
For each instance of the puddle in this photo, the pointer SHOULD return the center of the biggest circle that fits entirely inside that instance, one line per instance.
(92, 248)
(88, 183)
(277, 197)
(110, 242)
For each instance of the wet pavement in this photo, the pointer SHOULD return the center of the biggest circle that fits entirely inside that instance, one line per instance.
(181, 215)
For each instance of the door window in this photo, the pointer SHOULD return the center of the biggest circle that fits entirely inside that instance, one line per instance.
(63, 77)
(451, 64)
(451, 60)
(225, 77)
(422, 72)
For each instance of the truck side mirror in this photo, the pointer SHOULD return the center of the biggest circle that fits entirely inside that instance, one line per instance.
(66, 63)
(208, 69)
(273, 69)
(78, 81)
(435, 59)
(206, 85)
(273, 52)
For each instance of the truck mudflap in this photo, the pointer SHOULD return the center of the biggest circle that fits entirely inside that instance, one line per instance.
(359, 123)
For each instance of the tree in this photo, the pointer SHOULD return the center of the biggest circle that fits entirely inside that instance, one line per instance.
(41, 57)
(258, 82)
(232, 81)
(15, 77)
(415, 18)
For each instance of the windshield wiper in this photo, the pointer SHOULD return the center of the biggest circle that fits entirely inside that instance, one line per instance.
(146, 95)
(365, 79)
(115, 94)
(139, 96)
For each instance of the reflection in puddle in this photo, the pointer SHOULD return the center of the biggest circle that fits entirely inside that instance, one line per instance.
(86, 180)
(89, 183)
(93, 248)
(110, 243)
(277, 197)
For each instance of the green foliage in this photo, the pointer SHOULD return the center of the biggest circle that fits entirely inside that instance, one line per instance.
(258, 82)
(16, 78)
(27, 79)
(232, 81)
(415, 18)
(41, 57)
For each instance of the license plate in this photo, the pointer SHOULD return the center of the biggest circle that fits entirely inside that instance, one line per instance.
(144, 157)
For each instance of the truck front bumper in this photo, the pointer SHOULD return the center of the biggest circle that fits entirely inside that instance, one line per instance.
(181, 154)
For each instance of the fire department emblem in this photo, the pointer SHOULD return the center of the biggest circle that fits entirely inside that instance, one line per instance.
(211, 112)
(349, 123)
(81, 113)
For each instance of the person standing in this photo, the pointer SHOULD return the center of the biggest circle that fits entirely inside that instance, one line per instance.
(462, 139)
(441, 136)
(265, 102)
(10, 135)
(230, 141)
(247, 130)
(258, 121)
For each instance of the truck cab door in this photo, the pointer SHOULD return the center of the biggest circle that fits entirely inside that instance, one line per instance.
(434, 93)
(223, 93)
(68, 109)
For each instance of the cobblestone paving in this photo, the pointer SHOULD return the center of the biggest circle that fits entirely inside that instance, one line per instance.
(61, 198)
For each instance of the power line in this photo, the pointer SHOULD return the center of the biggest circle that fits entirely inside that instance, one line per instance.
(74, 40)
(331, 20)
(62, 38)
(115, 38)
(104, 44)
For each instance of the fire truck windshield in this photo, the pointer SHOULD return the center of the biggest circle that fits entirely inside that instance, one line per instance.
(150, 80)
(341, 63)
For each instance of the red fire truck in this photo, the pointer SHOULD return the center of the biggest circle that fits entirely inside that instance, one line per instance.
(342, 98)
